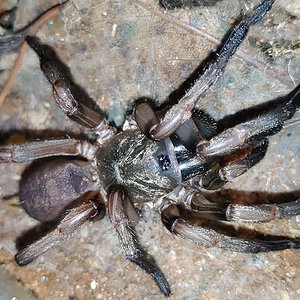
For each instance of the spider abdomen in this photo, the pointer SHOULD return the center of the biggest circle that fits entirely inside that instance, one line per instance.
(49, 188)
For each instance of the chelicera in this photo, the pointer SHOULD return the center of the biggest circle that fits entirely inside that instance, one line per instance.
(166, 158)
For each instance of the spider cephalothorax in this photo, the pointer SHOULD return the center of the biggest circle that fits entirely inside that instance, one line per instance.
(166, 161)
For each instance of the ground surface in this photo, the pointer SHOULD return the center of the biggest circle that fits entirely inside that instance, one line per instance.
(120, 51)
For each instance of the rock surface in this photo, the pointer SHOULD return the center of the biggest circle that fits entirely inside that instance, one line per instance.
(119, 51)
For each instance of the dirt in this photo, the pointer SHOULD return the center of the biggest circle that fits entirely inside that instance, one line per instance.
(121, 51)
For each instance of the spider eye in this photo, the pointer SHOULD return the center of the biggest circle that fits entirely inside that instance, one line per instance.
(164, 162)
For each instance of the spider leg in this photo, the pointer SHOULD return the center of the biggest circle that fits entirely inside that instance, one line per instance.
(257, 128)
(182, 111)
(218, 176)
(207, 237)
(41, 149)
(65, 97)
(194, 201)
(124, 217)
(65, 229)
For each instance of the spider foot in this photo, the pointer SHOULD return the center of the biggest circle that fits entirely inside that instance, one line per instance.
(156, 274)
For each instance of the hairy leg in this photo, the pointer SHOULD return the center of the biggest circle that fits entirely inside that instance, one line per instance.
(171, 218)
(41, 149)
(225, 171)
(267, 123)
(65, 97)
(182, 111)
(65, 229)
(124, 217)
(194, 201)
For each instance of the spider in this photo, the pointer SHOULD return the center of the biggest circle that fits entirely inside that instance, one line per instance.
(166, 157)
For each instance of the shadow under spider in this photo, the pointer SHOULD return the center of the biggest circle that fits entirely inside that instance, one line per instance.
(30, 135)
(250, 197)
(241, 197)
(257, 110)
(173, 4)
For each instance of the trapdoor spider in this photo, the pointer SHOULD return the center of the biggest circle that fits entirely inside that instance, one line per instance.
(166, 159)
